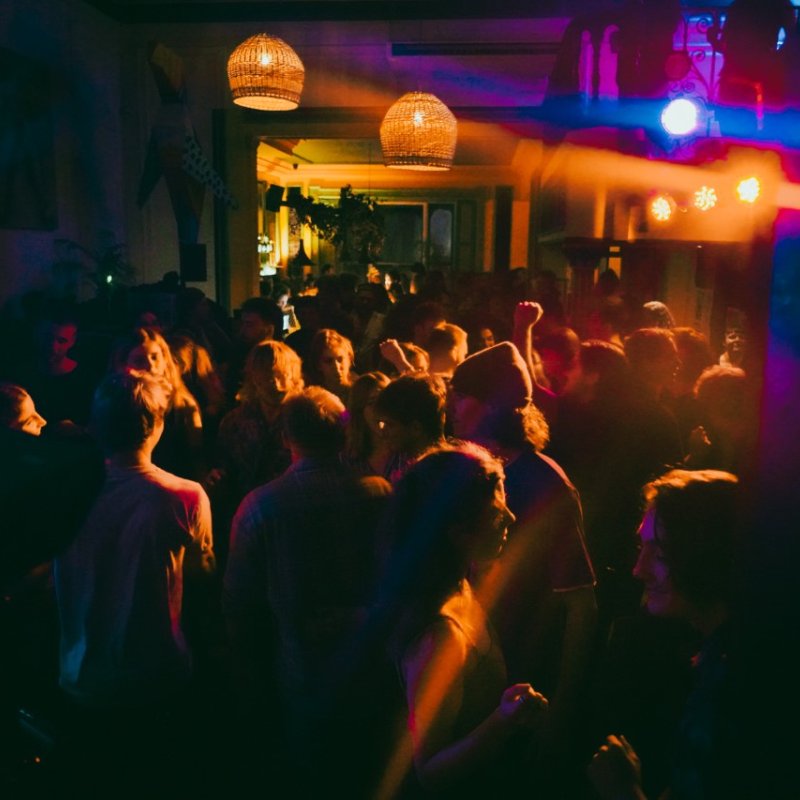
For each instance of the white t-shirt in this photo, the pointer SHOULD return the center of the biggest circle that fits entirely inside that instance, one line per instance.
(120, 586)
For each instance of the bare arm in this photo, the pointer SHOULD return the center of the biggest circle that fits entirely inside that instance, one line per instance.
(434, 677)
(526, 315)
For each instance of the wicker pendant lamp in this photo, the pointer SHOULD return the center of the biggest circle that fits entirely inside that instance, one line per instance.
(419, 132)
(266, 74)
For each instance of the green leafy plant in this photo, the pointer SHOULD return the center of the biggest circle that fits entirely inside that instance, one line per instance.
(103, 267)
(354, 226)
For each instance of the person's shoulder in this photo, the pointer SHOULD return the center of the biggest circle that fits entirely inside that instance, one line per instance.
(168, 484)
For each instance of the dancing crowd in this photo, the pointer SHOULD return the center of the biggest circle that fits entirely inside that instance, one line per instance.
(372, 540)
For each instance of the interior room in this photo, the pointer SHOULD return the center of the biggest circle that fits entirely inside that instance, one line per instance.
(151, 146)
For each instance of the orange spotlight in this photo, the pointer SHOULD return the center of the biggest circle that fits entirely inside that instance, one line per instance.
(705, 198)
(661, 208)
(749, 189)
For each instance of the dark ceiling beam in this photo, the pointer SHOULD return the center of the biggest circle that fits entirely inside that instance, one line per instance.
(265, 11)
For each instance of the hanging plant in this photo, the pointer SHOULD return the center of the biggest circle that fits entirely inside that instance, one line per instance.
(354, 226)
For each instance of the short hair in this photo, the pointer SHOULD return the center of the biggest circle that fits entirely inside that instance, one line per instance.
(269, 312)
(416, 398)
(444, 338)
(697, 516)
(723, 389)
(314, 420)
(261, 360)
(427, 311)
(562, 341)
(126, 408)
(694, 351)
(646, 345)
(656, 314)
(609, 363)
(11, 397)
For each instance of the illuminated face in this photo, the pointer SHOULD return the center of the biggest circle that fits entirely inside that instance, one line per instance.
(28, 420)
(334, 366)
(660, 596)
(399, 437)
(148, 357)
(273, 389)
(466, 414)
(486, 337)
(60, 339)
(734, 340)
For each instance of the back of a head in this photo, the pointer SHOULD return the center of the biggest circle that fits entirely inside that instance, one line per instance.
(694, 351)
(698, 516)
(655, 314)
(445, 339)
(11, 397)
(645, 346)
(609, 363)
(499, 379)
(416, 398)
(314, 422)
(126, 408)
(723, 390)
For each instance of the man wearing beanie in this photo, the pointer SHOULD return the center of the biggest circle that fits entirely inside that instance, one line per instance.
(540, 592)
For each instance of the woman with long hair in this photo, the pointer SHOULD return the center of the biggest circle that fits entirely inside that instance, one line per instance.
(251, 451)
(450, 510)
(180, 449)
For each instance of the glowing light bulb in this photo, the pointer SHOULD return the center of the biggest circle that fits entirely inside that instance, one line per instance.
(419, 118)
(705, 198)
(680, 117)
(749, 190)
(266, 59)
(661, 208)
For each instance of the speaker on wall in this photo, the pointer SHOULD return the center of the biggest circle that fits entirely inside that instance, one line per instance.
(273, 198)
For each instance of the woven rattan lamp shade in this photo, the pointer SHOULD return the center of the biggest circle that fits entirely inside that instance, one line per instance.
(419, 132)
(265, 73)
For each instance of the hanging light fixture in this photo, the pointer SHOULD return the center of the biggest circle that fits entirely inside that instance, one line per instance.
(266, 74)
(419, 132)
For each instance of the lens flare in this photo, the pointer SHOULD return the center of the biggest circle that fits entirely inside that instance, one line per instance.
(680, 117)
(749, 190)
(661, 208)
(705, 198)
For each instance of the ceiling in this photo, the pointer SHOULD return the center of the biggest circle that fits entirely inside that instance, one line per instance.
(488, 61)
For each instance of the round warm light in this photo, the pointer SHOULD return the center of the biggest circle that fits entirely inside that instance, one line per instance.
(680, 117)
(749, 190)
(266, 74)
(705, 198)
(419, 132)
(661, 208)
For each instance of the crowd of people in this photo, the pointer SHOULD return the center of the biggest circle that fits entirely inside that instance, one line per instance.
(420, 538)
